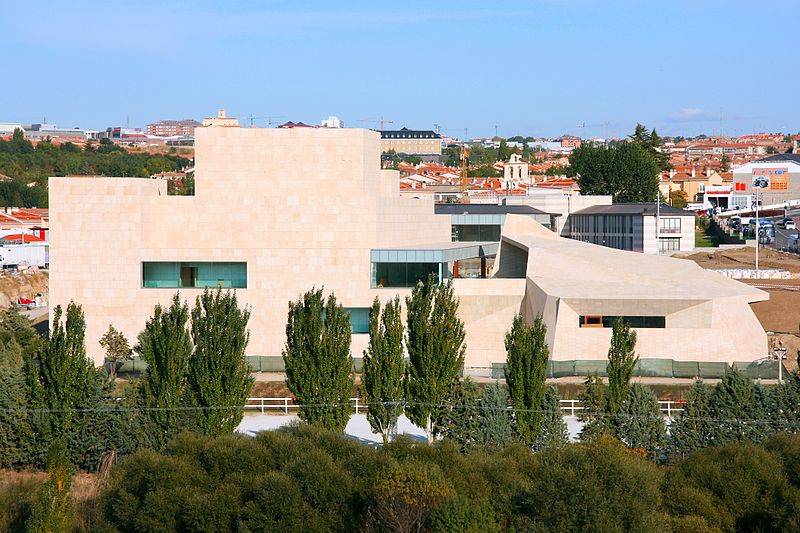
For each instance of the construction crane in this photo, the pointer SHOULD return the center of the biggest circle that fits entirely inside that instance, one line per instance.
(603, 125)
(464, 173)
(269, 120)
(382, 121)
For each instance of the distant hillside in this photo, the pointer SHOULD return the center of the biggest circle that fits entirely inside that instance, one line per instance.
(28, 167)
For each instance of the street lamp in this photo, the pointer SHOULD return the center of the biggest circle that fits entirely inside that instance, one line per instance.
(758, 229)
(779, 354)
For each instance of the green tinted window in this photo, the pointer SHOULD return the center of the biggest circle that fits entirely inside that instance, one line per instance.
(195, 274)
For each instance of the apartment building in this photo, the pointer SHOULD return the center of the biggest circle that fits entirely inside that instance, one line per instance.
(172, 128)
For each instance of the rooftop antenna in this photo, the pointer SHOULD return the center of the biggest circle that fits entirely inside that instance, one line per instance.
(495, 130)
(437, 127)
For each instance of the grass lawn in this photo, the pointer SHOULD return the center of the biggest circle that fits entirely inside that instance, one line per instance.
(705, 238)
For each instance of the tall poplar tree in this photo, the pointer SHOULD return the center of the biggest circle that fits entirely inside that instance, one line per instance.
(527, 354)
(218, 379)
(384, 368)
(319, 367)
(435, 344)
(622, 360)
(165, 346)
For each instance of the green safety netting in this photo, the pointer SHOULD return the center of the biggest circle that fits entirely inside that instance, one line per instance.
(685, 369)
(712, 370)
(661, 368)
(760, 369)
(266, 363)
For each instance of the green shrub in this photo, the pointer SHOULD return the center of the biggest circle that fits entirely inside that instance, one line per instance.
(736, 486)
(600, 487)
(460, 515)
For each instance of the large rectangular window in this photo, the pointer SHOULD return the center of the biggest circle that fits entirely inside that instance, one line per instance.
(196, 274)
(598, 321)
(402, 274)
(668, 244)
(476, 232)
(359, 319)
(670, 225)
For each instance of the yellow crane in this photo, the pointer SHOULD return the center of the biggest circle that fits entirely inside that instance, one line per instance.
(464, 173)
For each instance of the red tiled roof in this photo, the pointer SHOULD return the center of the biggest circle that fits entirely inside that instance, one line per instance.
(17, 237)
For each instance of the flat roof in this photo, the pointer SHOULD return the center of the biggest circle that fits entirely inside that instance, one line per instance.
(643, 208)
(444, 252)
(577, 270)
(485, 209)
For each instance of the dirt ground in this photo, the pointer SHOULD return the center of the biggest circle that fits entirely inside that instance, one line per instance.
(779, 315)
(745, 258)
(12, 286)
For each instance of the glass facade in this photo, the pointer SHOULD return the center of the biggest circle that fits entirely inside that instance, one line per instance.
(359, 319)
(612, 231)
(600, 321)
(667, 244)
(402, 274)
(476, 232)
(196, 274)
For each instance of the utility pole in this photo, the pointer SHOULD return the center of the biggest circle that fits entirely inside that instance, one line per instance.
(779, 353)
(658, 221)
(495, 130)
(758, 234)
(465, 134)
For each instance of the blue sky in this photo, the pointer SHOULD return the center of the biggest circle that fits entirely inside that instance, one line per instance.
(534, 68)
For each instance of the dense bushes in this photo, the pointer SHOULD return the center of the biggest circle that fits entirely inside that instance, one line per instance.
(308, 479)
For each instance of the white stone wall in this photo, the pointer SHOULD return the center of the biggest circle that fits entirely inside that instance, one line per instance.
(303, 207)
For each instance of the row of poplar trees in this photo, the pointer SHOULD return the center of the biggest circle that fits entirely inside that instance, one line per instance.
(53, 397)
(319, 366)
(427, 387)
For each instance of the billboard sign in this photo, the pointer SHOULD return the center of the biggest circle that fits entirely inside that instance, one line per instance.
(774, 179)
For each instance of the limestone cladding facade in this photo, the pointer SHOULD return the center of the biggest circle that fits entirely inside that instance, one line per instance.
(302, 207)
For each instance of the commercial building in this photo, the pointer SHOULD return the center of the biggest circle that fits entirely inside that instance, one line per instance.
(633, 227)
(251, 228)
(728, 149)
(412, 142)
(40, 132)
(776, 178)
(171, 128)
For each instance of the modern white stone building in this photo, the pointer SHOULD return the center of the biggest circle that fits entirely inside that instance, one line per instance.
(279, 211)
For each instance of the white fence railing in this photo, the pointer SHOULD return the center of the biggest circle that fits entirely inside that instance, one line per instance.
(570, 407)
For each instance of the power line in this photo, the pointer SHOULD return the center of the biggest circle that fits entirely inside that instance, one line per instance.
(479, 408)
